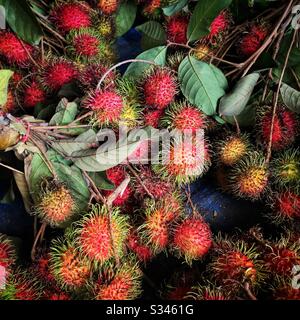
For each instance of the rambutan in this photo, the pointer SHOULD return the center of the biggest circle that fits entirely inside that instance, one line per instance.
(182, 116)
(285, 127)
(235, 263)
(71, 16)
(219, 26)
(152, 117)
(233, 149)
(152, 9)
(249, 177)
(117, 175)
(57, 73)
(175, 59)
(7, 254)
(159, 88)
(33, 94)
(192, 238)
(56, 205)
(108, 7)
(122, 283)
(141, 154)
(105, 26)
(130, 116)
(201, 51)
(107, 105)
(285, 205)
(282, 290)
(55, 294)
(285, 169)
(11, 104)
(16, 78)
(135, 244)
(176, 28)
(207, 291)
(42, 267)
(185, 161)
(14, 50)
(70, 269)
(101, 234)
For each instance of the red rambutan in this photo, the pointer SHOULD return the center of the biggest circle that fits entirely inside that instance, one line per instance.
(11, 104)
(219, 26)
(142, 251)
(108, 7)
(160, 88)
(152, 118)
(14, 50)
(192, 238)
(7, 254)
(71, 16)
(33, 94)
(286, 205)
(176, 28)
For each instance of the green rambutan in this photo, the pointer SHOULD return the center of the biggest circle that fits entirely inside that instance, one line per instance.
(105, 26)
(285, 169)
(56, 205)
(202, 52)
(119, 283)
(249, 177)
(182, 116)
(232, 149)
(70, 269)
(191, 238)
(101, 234)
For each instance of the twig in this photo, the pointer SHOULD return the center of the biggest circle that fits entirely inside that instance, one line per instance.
(119, 190)
(10, 168)
(140, 181)
(95, 188)
(238, 130)
(38, 236)
(250, 294)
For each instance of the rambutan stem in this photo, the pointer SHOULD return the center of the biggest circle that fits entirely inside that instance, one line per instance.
(238, 130)
(95, 189)
(250, 294)
(120, 64)
(38, 236)
(276, 98)
(131, 169)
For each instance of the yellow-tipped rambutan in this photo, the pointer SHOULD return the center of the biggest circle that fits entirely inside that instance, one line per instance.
(249, 177)
(105, 26)
(202, 52)
(208, 291)
(108, 7)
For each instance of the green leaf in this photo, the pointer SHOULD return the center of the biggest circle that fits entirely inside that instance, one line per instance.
(204, 14)
(201, 84)
(101, 181)
(156, 55)
(171, 10)
(234, 102)
(246, 118)
(22, 20)
(24, 190)
(65, 113)
(125, 17)
(290, 97)
(154, 32)
(5, 76)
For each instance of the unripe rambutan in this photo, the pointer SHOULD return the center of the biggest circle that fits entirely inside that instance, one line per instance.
(33, 94)
(101, 235)
(192, 238)
(207, 291)
(233, 149)
(107, 105)
(117, 175)
(176, 28)
(185, 161)
(11, 104)
(285, 127)
(285, 169)
(14, 50)
(56, 205)
(7, 255)
(159, 88)
(123, 283)
(152, 118)
(92, 73)
(130, 116)
(57, 73)
(201, 51)
(157, 187)
(253, 40)
(219, 26)
(71, 16)
(105, 26)
(182, 116)
(108, 7)
(70, 269)
(21, 285)
(235, 263)
(285, 205)
(142, 251)
(249, 177)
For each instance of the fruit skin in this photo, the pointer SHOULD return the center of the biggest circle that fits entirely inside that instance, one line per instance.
(33, 94)
(108, 7)
(185, 161)
(253, 40)
(176, 28)
(152, 118)
(56, 205)
(183, 116)
(117, 175)
(105, 26)
(14, 50)
(235, 263)
(232, 149)
(8, 137)
(119, 283)
(249, 177)
(71, 16)
(201, 51)
(142, 251)
(70, 269)
(285, 170)
(159, 88)
(282, 290)
(107, 105)
(101, 234)
(219, 26)
(207, 291)
(192, 238)
(58, 72)
(7, 254)
(285, 128)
